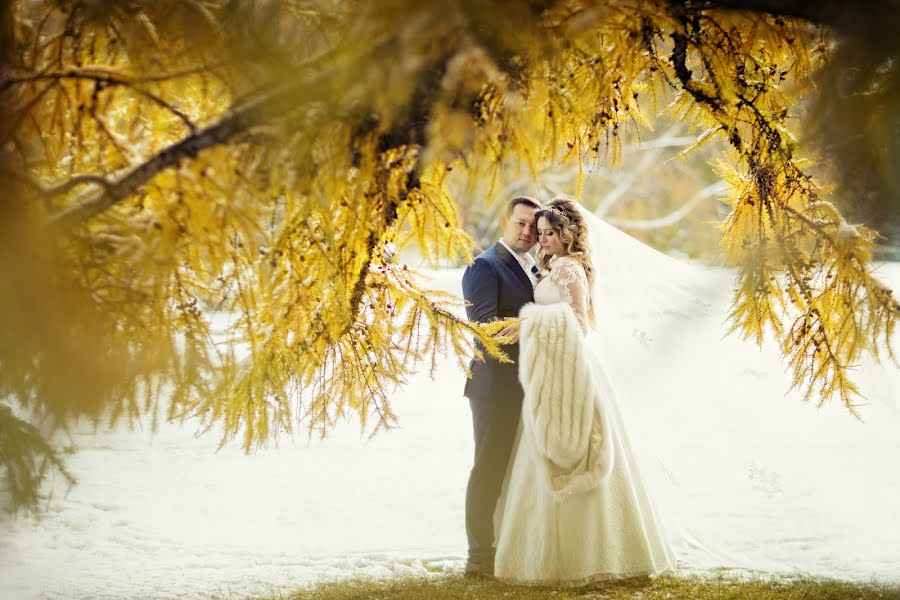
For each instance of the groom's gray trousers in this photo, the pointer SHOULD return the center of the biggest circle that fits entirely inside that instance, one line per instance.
(495, 287)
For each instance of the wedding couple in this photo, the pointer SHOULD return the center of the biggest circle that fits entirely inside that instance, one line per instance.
(554, 496)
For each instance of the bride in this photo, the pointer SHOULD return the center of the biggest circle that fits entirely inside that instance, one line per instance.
(575, 508)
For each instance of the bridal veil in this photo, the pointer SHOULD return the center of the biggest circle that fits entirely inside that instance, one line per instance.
(744, 473)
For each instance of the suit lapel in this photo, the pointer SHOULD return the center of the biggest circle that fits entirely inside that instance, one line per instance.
(510, 261)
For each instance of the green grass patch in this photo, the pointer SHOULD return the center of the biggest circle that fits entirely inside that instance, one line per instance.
(663, 588)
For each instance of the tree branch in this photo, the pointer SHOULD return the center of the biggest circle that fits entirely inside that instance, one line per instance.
(683, 74)
(628, 180)
(266, 104)
(69, 184)
(260, 108)
(864, 20)
(104, 78)
(673, 217)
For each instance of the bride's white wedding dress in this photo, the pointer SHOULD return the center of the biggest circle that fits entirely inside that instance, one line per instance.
(574, 509)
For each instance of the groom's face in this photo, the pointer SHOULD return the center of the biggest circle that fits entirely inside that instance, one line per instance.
(520, 233)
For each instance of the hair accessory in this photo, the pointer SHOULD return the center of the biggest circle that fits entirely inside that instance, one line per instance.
(556, 211)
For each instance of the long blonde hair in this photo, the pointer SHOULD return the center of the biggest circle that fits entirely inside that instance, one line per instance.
(565, 220)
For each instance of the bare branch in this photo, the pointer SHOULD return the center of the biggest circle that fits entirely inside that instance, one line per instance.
(675, 216)
(628, 180)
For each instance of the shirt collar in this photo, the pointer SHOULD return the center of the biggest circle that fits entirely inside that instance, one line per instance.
(525, 260)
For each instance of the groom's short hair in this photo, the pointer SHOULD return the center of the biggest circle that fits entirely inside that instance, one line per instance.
(526, 200)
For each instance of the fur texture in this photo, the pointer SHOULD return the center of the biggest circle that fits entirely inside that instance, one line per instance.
(562, 407)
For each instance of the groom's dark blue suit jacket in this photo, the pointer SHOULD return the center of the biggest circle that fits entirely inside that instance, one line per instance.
(496, 287)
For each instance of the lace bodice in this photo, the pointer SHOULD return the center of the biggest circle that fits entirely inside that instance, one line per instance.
(567, 283)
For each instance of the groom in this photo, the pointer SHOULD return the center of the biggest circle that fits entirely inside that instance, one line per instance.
(496, 285)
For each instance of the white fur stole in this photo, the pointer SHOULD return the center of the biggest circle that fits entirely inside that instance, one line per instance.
(561, 411)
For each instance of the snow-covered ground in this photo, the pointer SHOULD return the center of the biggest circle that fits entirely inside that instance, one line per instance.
(165, 515)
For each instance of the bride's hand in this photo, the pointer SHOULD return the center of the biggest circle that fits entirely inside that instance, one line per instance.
(511, 334)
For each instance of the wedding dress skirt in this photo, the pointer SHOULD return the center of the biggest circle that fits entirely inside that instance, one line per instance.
(574, 508)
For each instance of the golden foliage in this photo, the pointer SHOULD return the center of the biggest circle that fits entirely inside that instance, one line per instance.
(206, 199)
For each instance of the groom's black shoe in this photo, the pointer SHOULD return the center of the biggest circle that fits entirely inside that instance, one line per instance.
(479, 570)
(473, 570)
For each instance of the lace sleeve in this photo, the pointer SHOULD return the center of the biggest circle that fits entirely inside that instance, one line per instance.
(569, 277)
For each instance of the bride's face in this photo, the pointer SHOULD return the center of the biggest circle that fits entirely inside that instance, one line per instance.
(549, 240)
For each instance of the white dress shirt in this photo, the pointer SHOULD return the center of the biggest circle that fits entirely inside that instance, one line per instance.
(526, 261)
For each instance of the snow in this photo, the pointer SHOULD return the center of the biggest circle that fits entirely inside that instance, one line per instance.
(165, 515)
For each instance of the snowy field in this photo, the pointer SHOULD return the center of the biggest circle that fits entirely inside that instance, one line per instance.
(162, 516)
